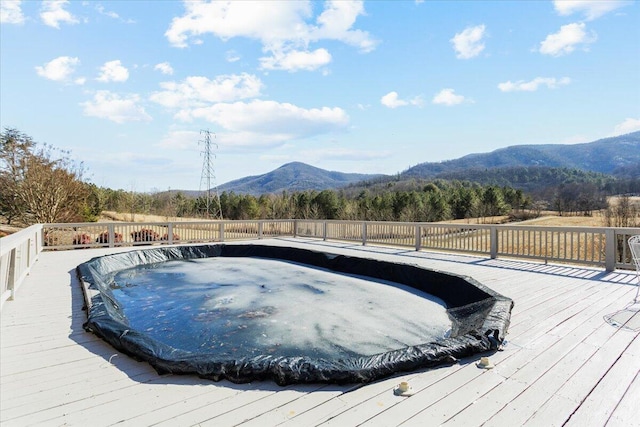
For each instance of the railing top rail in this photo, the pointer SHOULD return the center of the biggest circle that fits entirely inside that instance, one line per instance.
(106, 224)
(630, 230)
(14, 240)
(574, 228)
(443, 224)
(587, 229)
(158, 223)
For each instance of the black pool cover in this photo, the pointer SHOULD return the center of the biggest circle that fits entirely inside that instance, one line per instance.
(478, 316)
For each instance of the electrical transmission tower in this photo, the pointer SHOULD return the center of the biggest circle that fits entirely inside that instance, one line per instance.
(213, 207)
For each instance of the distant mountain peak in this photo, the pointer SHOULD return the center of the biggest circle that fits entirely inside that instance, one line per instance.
(292, 177)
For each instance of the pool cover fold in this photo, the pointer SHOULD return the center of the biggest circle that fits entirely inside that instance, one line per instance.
(479, 316)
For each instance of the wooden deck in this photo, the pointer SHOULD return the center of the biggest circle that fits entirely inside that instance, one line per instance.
(563, 363)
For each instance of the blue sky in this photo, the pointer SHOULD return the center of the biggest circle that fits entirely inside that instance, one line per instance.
(369, 87)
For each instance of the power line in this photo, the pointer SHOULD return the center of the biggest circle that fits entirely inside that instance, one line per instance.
(213, 208)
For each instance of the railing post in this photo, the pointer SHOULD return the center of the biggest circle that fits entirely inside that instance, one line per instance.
(170, 233)
(221, 232)
(611, 243)
(493, 238)
(547, 239)
(295, 228)
(324, 230)
(259, 230)
(28, 253)
(364, 233)
(34, 247)
(11, 285)
(41, 240)
(418, 237)
(111, 230)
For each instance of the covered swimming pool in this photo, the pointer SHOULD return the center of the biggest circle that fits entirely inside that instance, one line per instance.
(253, 312)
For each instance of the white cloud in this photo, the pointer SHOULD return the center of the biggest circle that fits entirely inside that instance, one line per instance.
(252, 19)
(60, 69)
(53, 13)
(232, 56)
(111, 14)
(276, 158)
(283, 28)
(100, 8)
(448, 97)
(628, 126)
(344, 154)
(111, 106)
(468, 43)
(249, 140)
(566, 40)
(113, 71)
(164, 68)
(533, 85)
(295, 60)
(392, 100)
(336, 21)
(181, 140)
(281, 120)
(592, 9)
(11, 12)
(197, 91)
(123, 162)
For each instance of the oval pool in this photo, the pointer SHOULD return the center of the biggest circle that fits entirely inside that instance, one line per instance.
(247, 312)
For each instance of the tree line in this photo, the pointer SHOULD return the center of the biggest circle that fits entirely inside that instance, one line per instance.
(435, 202)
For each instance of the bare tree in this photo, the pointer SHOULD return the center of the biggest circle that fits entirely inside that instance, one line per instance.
(15, 148)
(40, 184)
(51, 192)
(622, 213)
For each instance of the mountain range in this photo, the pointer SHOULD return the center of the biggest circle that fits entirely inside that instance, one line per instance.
(604, 155)
(609, 157)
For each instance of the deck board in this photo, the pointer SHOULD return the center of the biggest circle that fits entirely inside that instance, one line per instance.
(599, 405)
(562, 362)
(303, 404)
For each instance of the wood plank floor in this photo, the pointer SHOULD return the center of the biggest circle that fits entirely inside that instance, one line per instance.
(563, 364)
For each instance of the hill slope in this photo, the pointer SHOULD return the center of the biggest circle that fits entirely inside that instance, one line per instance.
(603, 156)
(527, 178)
(295, 176)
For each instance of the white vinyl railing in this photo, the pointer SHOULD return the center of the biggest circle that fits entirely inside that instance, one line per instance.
(18, 252)
(605, 247)
(95, 235)
(597, 246)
